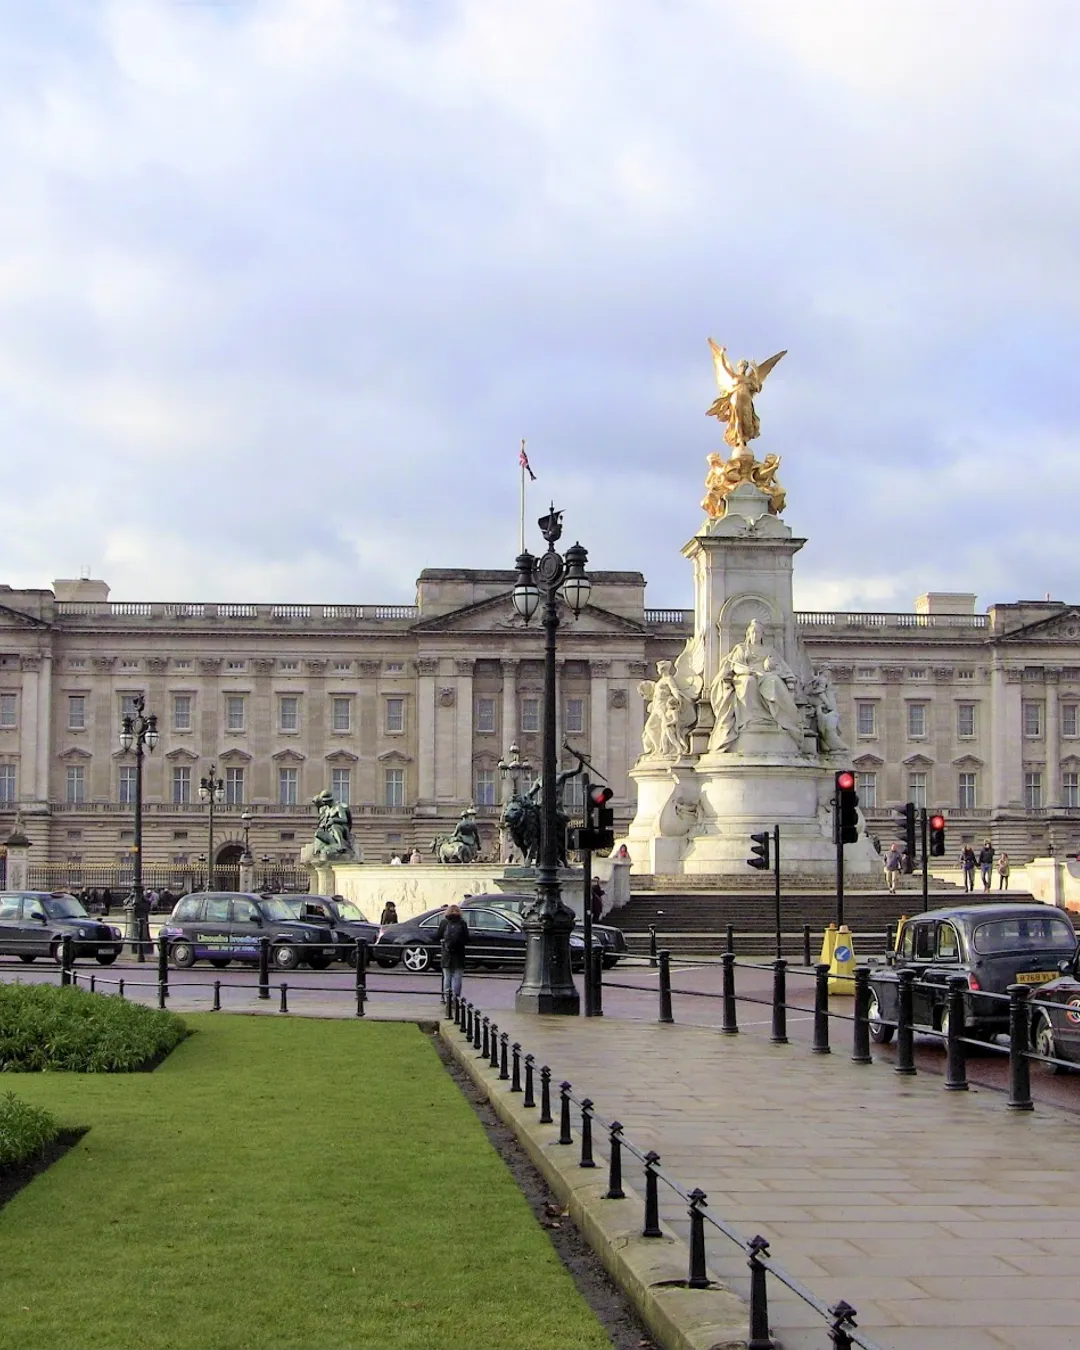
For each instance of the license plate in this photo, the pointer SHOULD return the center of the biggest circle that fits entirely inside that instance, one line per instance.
(1036, 976)
(106, 951)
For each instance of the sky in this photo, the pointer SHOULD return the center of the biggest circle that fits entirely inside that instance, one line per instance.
(283, 283)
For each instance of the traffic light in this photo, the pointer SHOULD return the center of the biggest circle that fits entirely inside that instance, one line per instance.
(847, 804)
(937, 836)
(905, 829)
(759, 846)
(598, 832)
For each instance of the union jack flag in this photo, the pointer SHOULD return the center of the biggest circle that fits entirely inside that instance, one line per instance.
(523, 460)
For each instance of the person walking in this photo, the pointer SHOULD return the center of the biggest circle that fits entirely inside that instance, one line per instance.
(414, 857)
(894, 864)
(1003, 872)
(106, 900)
(968, 863)
(389, 914)
(452, 935)
(596, 900)
(986, 864)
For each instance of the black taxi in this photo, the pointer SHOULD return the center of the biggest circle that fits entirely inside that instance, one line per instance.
(991, 946)
(224, 926)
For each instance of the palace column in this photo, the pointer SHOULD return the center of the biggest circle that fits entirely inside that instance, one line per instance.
(426, 670)
(1052, 788)
(509, 727)
(599, 741)
(464, 729)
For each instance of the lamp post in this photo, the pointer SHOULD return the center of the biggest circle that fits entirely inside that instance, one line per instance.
(548, 986)
(211, 790)
(137, 731)
(245, 820)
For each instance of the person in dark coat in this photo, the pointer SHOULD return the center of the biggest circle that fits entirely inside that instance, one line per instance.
(452, 935)
(106, 900)
(596, 900)
(968, 863)
(389, 914)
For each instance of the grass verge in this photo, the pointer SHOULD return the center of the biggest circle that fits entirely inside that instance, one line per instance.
(280, 1184)
(25, 1131)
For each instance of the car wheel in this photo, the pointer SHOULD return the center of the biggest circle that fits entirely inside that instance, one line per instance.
(286, 957)
(610, 962)
(1045, 1044)
(56, 951)
(106, 960)
(387, 962)
(320, 962)
(182, 954)
(943, 1023)
(416, 959)
(27, 959)
(220, 962)
(880, 1031)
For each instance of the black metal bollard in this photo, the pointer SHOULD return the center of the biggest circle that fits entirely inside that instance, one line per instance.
(545, 1096)
(485, 1043)
(67, 952)
(217, 997)
(120, 988)
(955, 1050)
(476, 1029)
(1019, 1045)
(504, 1051)
(905, 1023)
(760, 1339)
(614, 1187)
(843, 1315)
(468, 1021)
(529, 1099)
(284, 997)
(779, 1003)
(806, 945)
(598, 982)
(860, 1045)
(665, 988)
(730, 938)
(460, 1009)
(162, 970)
(890, 937)
(730, 1024)
(821, 1010)
(361, 976)
(698, 1279)
(515, 1060)
(93, 983)
(565, 1137)
(493, 1058)
(264, 967)
(652, 1198)
(652, 944)
(586, 1134)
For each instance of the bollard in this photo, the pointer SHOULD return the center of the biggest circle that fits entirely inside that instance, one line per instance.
(905, 1023)
(529, 1099)
(485, 1044)
(162, 970)
(843, 1315)
(598, 982)
(586, 1134)
(264, 967)
(821, 1010)
(955, 1050)
(698, 1278)
(759, 1339)
(860, 1047)
(545, 1096)
(614, 1186)
(93, 983)
(360, 976)
(652, 1199)
(67, 950)
(120, 988)
(284, 997)
(730, 938)
(665, 988)
(779, 1003)
(565, 1136)
(468, 1021)
(460, 1006)
(1019, 1045)
(652, 944)
(217, 997)
(806, 945)
(890, 937)
(493, 1058)
(504, 1050)
(515, 1059)
(161, 991)
(730, 1024)
(476, 1030)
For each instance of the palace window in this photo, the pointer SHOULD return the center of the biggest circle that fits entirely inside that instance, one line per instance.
(917, 789)
(1070, 789)
(181, 784)
(574, 795)
(575, 716)
(485, 787)
(1033, 790)
(341, 714)
(965, 791)
(126, 785)
(395, 716)
(866, 787)
(1069, 725)
(234, 785)
(181, 712)
(965, 721)
(965, 672)
(288, 786)
(7, 710)
(288, 713)
(341, 785)
(485, 714)
(76, 712)
(866, 719)
(234, 712)
(1033, 719)
(916, 721)
(394, 784)
(7, 784)
(76, 783)
(530, 714)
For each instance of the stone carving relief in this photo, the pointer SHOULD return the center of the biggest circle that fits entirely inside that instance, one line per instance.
(316, 665)
(31, 663)
(754, 687)
(211, 665)
(447, 697)
(637, 670)
(427, 665)
(824, 714)
(103, 664)
(599, 670)
(616, 698)
(157, 665)
(463, 667)
(369, 669)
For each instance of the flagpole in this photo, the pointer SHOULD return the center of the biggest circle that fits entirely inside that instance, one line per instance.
(522, 465)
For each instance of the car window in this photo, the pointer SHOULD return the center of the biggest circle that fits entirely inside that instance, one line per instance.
(924, 941)
(217, 909)
(9, 907)
(432, 921)
(1020, 932)
(907, 945)
(275, 909)
(245, 911)
(488, 921)
(187, 909)
(349, 911)
(64, 907)
(948, 943)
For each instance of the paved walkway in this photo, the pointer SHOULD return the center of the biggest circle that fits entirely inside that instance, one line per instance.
(944, 1218)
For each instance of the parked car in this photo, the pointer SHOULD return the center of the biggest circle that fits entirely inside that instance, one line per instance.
(35, 923)
(496, 938)
(345, 918)
(612, 939)
(1055, 1030)
(992, 946)
(224, 926)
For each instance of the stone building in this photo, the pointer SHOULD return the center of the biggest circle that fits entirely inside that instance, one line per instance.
(406, 711)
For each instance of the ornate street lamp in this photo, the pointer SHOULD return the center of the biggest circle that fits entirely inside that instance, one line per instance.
(548, 986)
(138, 731)
(246, 858)
(211, 790)
(513, 768)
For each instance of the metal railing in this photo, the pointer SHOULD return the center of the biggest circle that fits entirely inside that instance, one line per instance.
(146, 609)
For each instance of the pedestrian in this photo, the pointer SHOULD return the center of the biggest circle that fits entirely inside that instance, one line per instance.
(893, 864)
(986, 864)
(106, 900)
(395, 861)
(389, 914)
(452, 935)
(596, 900)
(1003, 872)
(94, 907)
(968, 863)
(623, 855)
(414, 857)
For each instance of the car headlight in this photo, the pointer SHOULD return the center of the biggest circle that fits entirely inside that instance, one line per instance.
(81, 932)
(116, 932)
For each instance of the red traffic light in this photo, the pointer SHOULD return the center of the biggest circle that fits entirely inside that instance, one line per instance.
(937, 822)
(600, 796)
(845, 781)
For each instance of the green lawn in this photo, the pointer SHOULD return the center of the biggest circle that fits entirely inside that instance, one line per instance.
(279, 1183)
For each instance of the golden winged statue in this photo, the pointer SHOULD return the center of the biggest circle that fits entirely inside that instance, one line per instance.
(738, 385)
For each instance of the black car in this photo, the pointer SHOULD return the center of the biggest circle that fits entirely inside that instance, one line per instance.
(612, 939)
(334, 911)
(35, 923)
(992, 946)
(496, 938)
(224, 926)
(1055, 1016)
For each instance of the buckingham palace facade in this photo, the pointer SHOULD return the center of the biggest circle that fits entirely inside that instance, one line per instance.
(405, 711)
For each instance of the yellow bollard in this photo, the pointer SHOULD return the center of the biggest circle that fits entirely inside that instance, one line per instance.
(828, 943)
(899, 932)
(842, 965)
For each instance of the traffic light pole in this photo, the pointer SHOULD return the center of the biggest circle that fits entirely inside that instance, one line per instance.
(776, 877)
(839, 836)
(586, 906)
(925, 859)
